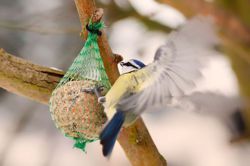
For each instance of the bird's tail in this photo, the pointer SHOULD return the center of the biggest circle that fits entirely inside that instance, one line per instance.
(110, 132)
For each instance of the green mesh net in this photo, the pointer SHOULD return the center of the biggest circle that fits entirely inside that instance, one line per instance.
(88, 64)
(76, 113)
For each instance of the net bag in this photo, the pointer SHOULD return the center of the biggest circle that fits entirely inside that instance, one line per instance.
(75, 112)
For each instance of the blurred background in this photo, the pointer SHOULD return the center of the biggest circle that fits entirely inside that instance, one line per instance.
(47, 33)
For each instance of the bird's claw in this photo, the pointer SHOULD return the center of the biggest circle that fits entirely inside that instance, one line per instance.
(98, 89)
(94, 89)
(101, 99)
(88, 90)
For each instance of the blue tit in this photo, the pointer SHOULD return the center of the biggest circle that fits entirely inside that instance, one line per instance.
(174, 71)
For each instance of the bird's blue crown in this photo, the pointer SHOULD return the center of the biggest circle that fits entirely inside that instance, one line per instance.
(139, 63)
(133, 63)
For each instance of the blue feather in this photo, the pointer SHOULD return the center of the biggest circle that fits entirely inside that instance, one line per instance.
(110, 132)
(141, 64)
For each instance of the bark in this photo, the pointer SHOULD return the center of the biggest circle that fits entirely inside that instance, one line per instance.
(26, 79)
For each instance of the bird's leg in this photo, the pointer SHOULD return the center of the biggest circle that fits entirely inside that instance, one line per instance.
(88, 90)
(97, 91)
(102, 99)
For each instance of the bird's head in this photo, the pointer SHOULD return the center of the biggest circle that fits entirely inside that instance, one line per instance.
(131, 65)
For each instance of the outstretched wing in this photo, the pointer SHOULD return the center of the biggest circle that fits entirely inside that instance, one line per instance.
(176, 66)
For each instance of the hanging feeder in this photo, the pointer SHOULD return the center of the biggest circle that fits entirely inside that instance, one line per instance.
(76, 112)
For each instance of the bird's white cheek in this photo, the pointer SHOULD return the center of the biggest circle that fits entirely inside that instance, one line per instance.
(126, 69)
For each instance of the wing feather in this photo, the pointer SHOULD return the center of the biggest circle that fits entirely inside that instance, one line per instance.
(176, 66)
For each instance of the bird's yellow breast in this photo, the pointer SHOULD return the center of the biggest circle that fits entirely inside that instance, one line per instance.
(125, 84)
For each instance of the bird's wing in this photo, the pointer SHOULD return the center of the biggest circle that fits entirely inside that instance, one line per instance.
(176, 66)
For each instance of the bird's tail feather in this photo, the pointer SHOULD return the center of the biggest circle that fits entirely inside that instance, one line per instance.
(110, 132)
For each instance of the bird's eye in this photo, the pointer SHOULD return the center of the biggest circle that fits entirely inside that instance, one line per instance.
(128, 64)
(124, 64)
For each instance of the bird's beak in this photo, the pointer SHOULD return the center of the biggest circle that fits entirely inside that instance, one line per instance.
(121, 63)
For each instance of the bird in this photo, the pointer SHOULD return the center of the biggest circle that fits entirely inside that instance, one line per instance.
(174, 71)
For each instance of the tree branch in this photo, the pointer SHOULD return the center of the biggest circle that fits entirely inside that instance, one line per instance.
(135, 140)
(26, 79)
